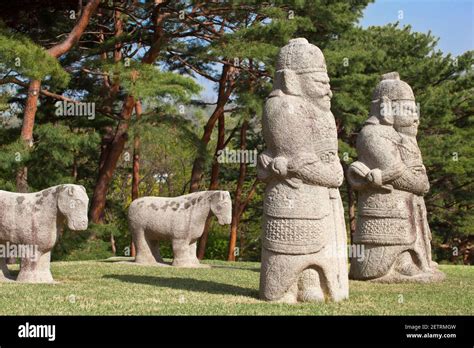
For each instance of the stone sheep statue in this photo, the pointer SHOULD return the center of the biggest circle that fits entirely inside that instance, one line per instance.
(36, 220)
(179, 219)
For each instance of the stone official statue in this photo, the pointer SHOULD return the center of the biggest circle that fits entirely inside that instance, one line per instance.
(391, 180)
(304, 254)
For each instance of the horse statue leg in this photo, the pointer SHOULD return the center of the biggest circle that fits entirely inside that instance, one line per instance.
(184, 254)
(148, 252)
(4, 273)
(36, 270)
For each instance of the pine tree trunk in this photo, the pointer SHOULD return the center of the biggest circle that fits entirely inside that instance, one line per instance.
(136, 166)
(236, 212)
(107, 139)
(233, 238)
(110, 163)
(198, 165)
(30, 112)
(111, 91)
(136, 156)
(214, 184)
(196, 174)
(226, 86)
(27, 131)
(236, 222)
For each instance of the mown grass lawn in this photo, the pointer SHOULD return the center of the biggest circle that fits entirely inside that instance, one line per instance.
(114, 288)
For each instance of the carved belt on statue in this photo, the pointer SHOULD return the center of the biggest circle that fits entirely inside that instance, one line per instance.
(383, 213)
(326, 150)
(297, 221)
(303, 202)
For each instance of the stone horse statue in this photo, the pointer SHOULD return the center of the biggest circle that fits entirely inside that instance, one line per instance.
(35, 220)
(179, 219)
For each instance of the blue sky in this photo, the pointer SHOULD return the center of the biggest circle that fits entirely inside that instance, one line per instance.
(452, 21)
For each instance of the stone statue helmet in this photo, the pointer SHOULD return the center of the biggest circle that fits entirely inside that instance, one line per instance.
(393, 103)
(73, 204)
(301, 71)
(221, 206)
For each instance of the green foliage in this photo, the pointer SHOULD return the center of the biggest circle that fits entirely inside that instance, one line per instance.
(331, 19)
(175, 139)
(218, 241)
(58, 149)
(13, 154)
(20, 54)
(260, 41)
(145, 81)
(76, 247)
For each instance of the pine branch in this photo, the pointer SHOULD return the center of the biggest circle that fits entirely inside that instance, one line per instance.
(42, 91)
(194, 68)
(250, 195)
(76, 33)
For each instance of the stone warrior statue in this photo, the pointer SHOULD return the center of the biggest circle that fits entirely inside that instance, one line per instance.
(304, 251)
(391, 180)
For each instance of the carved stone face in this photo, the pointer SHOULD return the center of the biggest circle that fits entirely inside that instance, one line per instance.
(315, 86)
(73, 203)
(221, 206)
(405, 116)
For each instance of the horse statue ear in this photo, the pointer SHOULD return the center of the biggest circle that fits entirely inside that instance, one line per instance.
(216, 197)
(64, 192)
(288, 81)
(222, 196)
(70, 190)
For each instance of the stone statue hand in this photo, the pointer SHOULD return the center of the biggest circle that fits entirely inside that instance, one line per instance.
(374, 176)
(308, 168)
(280, 166)
(419, 169)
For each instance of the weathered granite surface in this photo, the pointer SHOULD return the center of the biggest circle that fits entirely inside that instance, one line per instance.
(304, 252)
(36, 220)
(391, 181)
(179, 219)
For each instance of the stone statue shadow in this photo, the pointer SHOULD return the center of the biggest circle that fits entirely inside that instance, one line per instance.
(253, 269)
(198, 285)
(131, 261)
